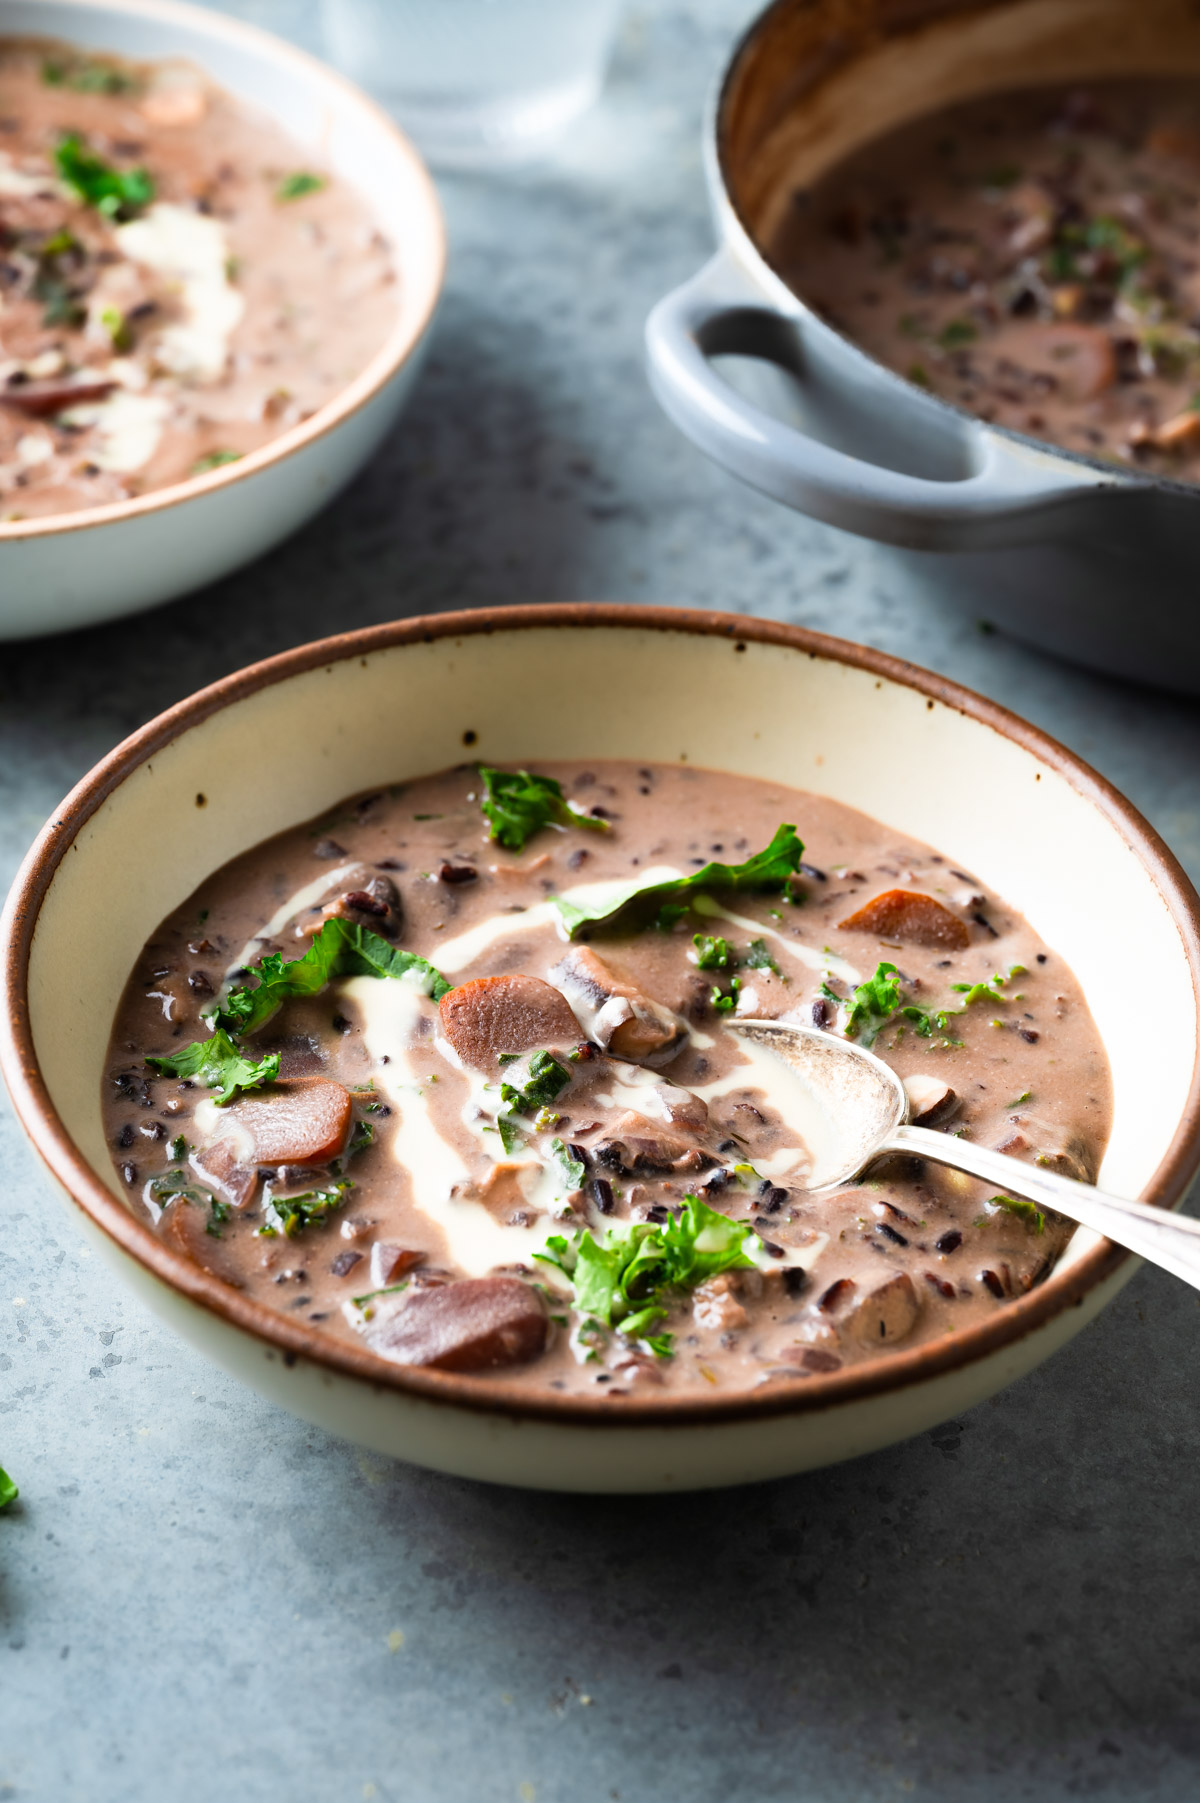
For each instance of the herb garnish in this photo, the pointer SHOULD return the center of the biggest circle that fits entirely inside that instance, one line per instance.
(295, 186)
(517, 805)
(570, 1169)
(628, 1281)
(713, 954)
(342, 948)
(544, 1079)
(218, 1064)
(877, 1002)
(772, 868)
(214, 460)
(290, 1215)
(85, 76)
(117, 193)
(8, 1490)
(1029, 1212)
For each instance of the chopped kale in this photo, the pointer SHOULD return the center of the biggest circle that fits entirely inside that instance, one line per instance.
(516, 805)
(873, 1005)
(544, 1079)
(342, 948)
(713, 954)
(218, 1214)
(117, 193)
(8, 1490)
(665, 903)
(292, 1214)
(1029, 1212)
(84, 75)
(628, 1281)
(759, 958)
(214, 460)
(725, 1002)
(570, 1169)
(177, 1149)
(298, 184)
(219, 1065)
(362, 1137)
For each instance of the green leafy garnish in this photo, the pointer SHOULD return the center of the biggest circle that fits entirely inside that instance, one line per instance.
(628, 1281)
(292, 1214)
(8, 1490)
(84, 76)
(759, 958)
(957, 332)
(873, 1004)
(117, 193)
(713, 954)
(725, 1003)
(219, 1065)
(362, 1137)
(771, 868)
(117, 327)
(516, 805)
(295, 186)
(1026, 1095)
(218, 1214)
(1017, 1205)
(570, 1169)
(214, 460)
(177, 1149)
(544, 1079)
(342, 948)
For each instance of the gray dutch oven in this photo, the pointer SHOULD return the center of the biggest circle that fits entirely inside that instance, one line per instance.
(1087, 560)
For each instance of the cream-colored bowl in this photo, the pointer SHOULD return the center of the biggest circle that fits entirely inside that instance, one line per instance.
(181, 797)
(76, 569)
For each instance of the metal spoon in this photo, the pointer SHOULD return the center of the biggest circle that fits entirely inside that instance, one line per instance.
(863, 1110)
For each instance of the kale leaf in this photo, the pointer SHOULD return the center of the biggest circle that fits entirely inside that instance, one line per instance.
(297, 185)
(544, 1079)
(1028, 1212)
(218, 1064)
(290, 1215)
(516, 805)
(713, 954)
(342, 948)
(8, 1490)
(771, 868)
(873, 1005)
(117, 193)
(628, 1280)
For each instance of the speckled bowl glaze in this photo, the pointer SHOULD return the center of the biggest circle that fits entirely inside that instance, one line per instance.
(76, 569)
(180, 798)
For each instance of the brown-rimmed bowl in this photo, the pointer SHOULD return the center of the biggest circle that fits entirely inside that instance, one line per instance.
(933, 760)
(76, 569)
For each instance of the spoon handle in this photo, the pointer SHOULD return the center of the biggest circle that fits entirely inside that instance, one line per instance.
(1169, 1240)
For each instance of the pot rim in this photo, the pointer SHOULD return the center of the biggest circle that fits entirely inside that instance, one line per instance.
(1133, 479)
(402, 342)
(279, 1336)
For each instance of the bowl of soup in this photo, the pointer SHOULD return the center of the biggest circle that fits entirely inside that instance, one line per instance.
(219, 263)
(403, 1077)
(953, 306)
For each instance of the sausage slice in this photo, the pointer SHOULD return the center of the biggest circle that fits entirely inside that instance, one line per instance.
(303, 1120)
(910, 917)
(474, 1325)
(491, 1015)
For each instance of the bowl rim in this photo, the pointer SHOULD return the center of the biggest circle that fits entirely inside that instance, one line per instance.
(1126, 480)
(290, 1340)
(402, 341)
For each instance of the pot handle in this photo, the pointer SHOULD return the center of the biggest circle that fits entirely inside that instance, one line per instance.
(987, 491)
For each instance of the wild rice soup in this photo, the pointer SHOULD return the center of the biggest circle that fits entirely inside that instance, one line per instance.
(179, 283)
(450, 1072)
(1034, 257)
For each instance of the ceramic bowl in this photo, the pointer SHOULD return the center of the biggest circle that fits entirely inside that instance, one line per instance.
(76, 569)
(1090, 560)
(932, 760)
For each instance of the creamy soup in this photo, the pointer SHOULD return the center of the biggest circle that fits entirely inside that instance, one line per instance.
(179, 283)
(1034, 258)
(455, 1072)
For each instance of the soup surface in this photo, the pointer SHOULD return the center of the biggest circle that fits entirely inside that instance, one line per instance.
(481, 1102)
(179, 284)
(1034, 258)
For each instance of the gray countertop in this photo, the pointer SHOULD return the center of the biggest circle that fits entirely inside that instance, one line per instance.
(201, 1597)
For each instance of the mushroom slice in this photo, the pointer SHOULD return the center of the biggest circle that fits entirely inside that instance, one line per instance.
(491, 1015)
(473, 1325)
(644, 1147)
(929, 1100)
(884, 1314)
(910, 917)
(302, 1121)
(618, 1015)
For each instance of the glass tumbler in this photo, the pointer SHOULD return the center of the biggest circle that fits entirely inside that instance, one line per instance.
(475, 82)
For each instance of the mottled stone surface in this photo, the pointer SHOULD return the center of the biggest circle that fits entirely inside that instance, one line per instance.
(202, 1598)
